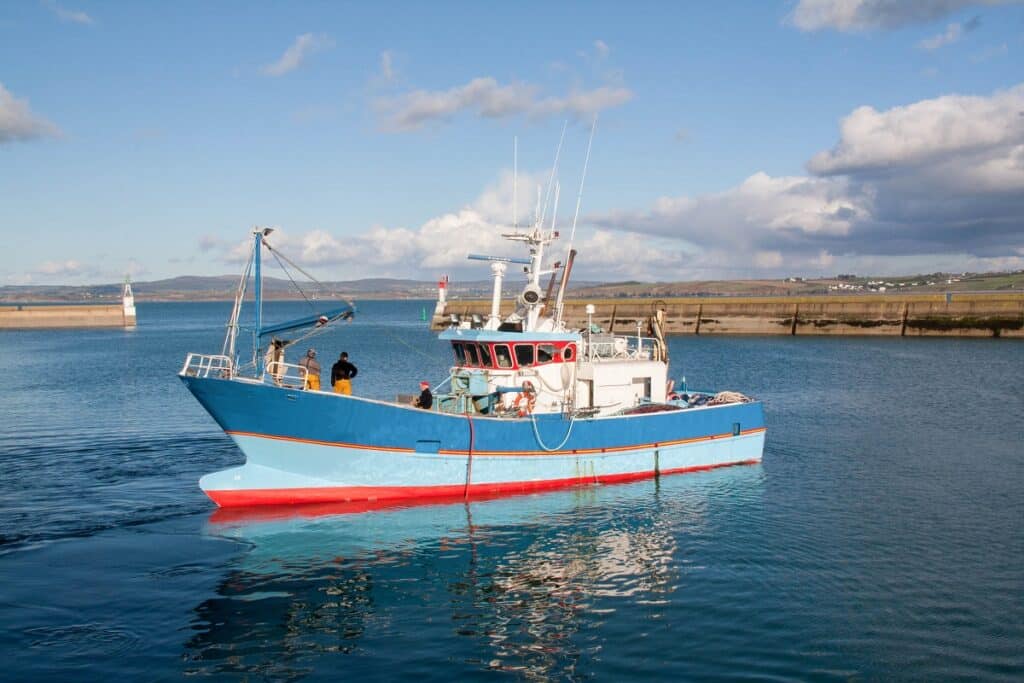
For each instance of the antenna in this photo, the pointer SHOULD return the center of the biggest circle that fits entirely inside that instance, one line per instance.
(583, 179)
(554, 210)
(572, 235)
(515, 183)
(536, 212)
(554, 171)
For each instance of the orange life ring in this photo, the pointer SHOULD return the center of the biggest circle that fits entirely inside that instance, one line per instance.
(526, 400)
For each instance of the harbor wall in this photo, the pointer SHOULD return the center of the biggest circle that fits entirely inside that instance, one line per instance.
(909, 315)
(86, 315)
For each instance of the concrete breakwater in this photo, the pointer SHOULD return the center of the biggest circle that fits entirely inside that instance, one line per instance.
(966, 314)
(86, 315)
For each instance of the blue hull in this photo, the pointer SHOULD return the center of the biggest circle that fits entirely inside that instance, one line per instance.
(304, 446)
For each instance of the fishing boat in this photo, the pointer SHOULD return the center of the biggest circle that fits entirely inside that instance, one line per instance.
(529, 404)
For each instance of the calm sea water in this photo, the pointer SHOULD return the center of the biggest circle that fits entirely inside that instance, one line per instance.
(882, 538)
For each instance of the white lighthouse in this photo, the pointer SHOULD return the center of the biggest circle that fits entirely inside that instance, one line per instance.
(128, 303)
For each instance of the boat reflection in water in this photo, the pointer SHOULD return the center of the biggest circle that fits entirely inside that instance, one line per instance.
(521, 583)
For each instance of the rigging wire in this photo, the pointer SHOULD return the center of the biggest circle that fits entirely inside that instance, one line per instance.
(299, 268)
(551, 178)
(294, 283)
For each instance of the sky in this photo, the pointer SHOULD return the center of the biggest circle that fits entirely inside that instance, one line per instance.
(733, 140)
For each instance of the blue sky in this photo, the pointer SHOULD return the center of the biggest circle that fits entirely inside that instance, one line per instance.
(148, 138)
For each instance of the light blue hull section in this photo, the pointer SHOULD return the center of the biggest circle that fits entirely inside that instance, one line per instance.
(275, 464)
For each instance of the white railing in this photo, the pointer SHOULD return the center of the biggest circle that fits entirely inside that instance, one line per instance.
(204, 365)
(607, 347)
(285, 375)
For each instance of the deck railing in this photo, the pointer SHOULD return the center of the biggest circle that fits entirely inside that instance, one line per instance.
(618, 347)
(285, 375)
(205, 365)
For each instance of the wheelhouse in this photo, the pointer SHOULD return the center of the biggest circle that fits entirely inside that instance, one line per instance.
(512, 354)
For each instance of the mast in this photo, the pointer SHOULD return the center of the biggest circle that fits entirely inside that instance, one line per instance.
(258, 292)
(228, 349)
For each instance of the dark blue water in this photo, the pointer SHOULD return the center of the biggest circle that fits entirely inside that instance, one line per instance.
(882, 538)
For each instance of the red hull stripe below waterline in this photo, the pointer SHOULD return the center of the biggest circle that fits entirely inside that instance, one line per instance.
(333, 494)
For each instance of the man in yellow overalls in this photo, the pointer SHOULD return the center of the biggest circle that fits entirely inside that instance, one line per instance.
(342, 374)
(312, 366)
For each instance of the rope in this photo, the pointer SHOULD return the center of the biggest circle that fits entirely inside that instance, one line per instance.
(724, 397)
(408, 345)
(540, 442)
(294, 283)
(297, 267)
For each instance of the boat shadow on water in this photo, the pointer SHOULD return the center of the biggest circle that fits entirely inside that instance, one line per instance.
(507, 583)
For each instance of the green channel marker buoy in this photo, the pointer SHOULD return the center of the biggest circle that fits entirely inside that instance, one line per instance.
(423, 314)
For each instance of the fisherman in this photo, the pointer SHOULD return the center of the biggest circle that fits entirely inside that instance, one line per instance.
(426, 399)
(312, 366)
(342, 374)
(274, 359)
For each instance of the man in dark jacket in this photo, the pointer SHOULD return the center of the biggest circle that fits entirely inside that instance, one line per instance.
(426, 399)
(342, 374)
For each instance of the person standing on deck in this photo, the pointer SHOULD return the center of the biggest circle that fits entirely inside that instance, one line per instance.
(312, 366)
(426, 399)
(342, 374)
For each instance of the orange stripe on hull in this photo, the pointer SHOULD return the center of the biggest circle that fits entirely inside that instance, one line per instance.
(345, 494)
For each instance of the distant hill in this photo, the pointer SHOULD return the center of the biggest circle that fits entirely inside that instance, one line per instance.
(221, 287)
(795, 286)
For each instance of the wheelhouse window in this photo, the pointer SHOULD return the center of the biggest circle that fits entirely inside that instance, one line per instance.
(471, 355)
(569, 352)
(485, 355)
(524, 355)
(460, 354)
(545, 353)
(503, 355)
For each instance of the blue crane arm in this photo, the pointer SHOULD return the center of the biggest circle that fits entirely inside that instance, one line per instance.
(316, 320)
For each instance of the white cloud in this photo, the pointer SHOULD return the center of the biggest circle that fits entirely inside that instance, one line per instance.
(387, 67)
(863, 15)
(17, 122)
(60, 268)
(441, 244)
(66, 271)
(414, 109)
(583, 103)
(785, 206)
(961, 127)
(297, 52)
(950, 35)
(68, 15)
(938, 181)
(487, 98)
(935, 184)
